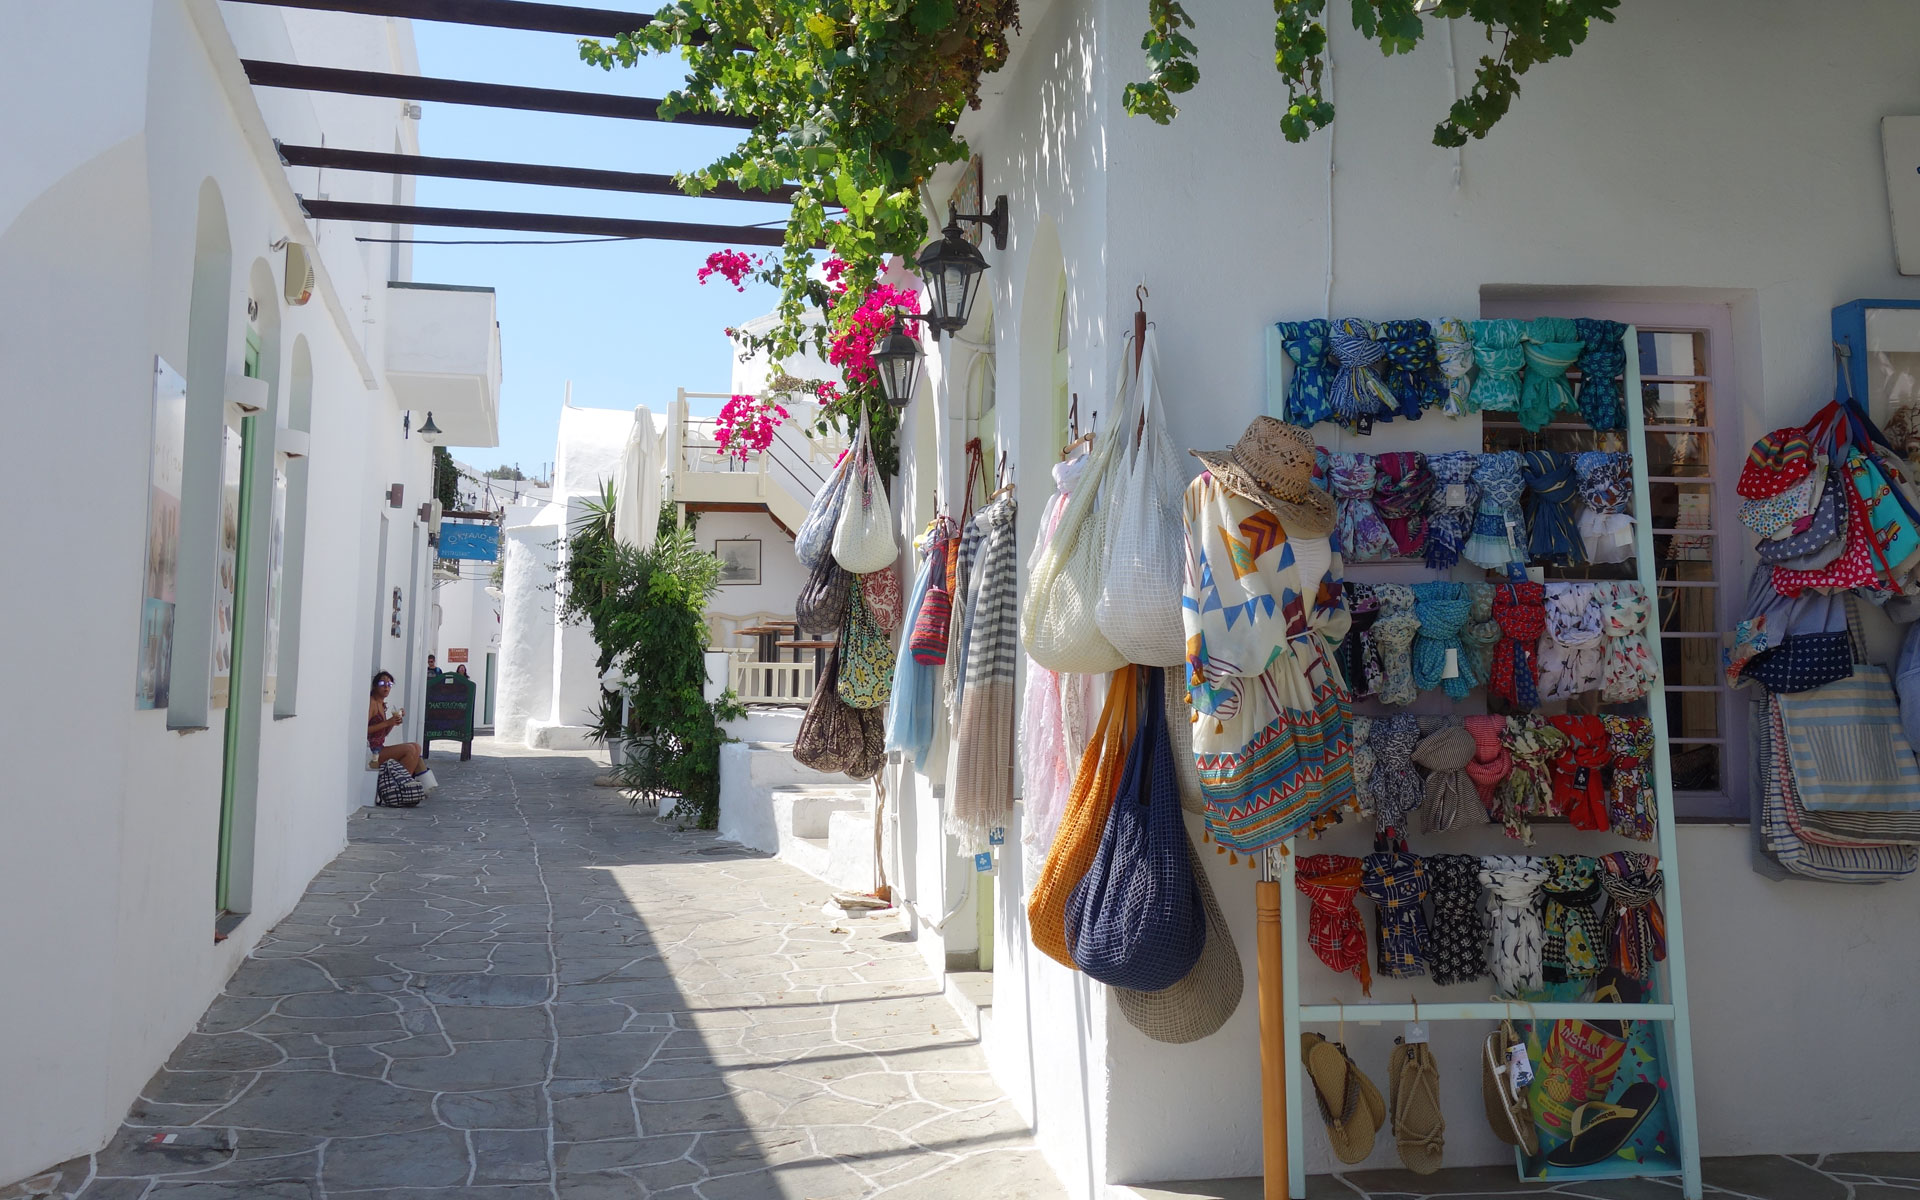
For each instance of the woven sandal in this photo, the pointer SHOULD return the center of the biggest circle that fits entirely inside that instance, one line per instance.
(1419, 1128)
(1349, 1103)
(1507, 1109)
(1600, 1129)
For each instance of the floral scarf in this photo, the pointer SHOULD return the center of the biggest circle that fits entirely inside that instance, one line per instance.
(1498, 352)
(1400, 495)
(1603, 363)
(1450, 508)
(1360, 533)
(1453, 345)
(1305, 342)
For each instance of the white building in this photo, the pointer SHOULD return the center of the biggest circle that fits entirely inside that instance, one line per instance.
(146, 226)
(1713, 167)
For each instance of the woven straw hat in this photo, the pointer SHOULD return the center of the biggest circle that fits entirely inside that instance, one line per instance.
(1201, 1003)
(1272, 465)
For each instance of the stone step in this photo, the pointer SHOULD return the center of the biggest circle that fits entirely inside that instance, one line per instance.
(778, 726)
(850, 849)
(749, 773)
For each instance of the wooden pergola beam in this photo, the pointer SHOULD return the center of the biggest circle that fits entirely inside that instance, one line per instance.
(509, 172)
(496, 14)
(610, 227)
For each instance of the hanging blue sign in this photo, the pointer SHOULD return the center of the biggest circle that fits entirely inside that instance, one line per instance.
(480, 541)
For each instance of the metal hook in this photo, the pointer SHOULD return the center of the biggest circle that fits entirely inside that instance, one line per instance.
(1140, 295)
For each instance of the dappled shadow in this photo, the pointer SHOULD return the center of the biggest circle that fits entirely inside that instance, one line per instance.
(524, 988)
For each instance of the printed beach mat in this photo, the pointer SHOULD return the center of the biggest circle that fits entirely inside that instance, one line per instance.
(1600, 1096)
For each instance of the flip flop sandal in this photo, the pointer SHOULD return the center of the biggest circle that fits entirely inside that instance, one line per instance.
(1506, 1104)
(1601, 1129)
(1340, 1089)
(1419, 1128)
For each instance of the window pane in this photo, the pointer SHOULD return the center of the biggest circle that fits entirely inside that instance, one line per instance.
(1687, 665)
(1673, 353)
(1679, 454)
(1681, 505)
(1690, 610)
(1505, 436)
(1696, 769)
(1674, 403)
(1683, 555)
(1693, 714)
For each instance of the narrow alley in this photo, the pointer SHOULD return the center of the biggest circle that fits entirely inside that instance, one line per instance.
(526, 989)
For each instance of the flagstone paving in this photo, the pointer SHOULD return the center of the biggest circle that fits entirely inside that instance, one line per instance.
(525, 988)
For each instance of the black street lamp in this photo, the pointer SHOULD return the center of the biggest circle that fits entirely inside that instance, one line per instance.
(897, 360)
(951, 267)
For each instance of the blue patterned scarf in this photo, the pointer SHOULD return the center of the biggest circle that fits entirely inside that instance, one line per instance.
(1450, 511)
(1358, 394)
(1552, 537)
(1497, 351)
(1603, 363)
(1499, 531)
(1413, 367)
(1313, 366)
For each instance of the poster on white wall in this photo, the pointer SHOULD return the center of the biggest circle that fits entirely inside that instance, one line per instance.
(231, 447)
(155, 668)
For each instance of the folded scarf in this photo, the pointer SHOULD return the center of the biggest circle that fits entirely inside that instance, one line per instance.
(1527, 791)
(1552, 346)
(1360, 535)
(1606, 488)
(1603, 364)
(1358, 395)
(1482, 632)
(1571, 946)
(1629, 792)
(1552, 536)
(916, 684)
(1359, 658)
(1498, 352)
(1491, 762)
(1457, 940)
(1450, 507)
(1579, 772)
(1453, 345)
(1400, 495)
(1638, 938)
(1520, 609)
(1573, 650)
(1393, 636)
(1309, 392)
(1334, 928)
(1397, 883)
(1363, 766)
(1499, 531)
(1442, 608)
(1412, 367)
(1444, 755)
(1395, 785)
(982, 797)
(1630, 669)
(1515, 880)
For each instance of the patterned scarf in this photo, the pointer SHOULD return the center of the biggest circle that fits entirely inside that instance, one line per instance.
(1393, 636)
(1453, 344)
(1395, 785)
(1630, 670)
(1520, 608)
(1571, 949)
(1527, 791)
(1603, 362)
(965, 553)
(1363, 766)
(1413, 366)
(1552, 537)
(1457, 943)
(1633, 884)
(1573, 651)
(1482, 632)
(1444, 755)
(1515, 881)
(1491, 762)
(1450, 509)
(1442, 608)
(1334, 928)
(1358, 394)
(1400, 495)
(1498, 352)
(1397, 882)
(1606, 486)
(983, 779)
(1552, 347)
(1313, 366)
(1359, 658)
(1499, 531)
(1360, 534)
(1579, 773)
(1629, 793)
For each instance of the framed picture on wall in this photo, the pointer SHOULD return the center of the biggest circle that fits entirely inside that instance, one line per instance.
(739, 560)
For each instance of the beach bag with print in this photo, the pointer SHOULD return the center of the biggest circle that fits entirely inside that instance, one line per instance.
(822, 602)
(1145, 559)
(863, 540)
(831, 735)
(397, 789)
(814, 541)
(1135, 919)
(866, 658)
(1058, 626)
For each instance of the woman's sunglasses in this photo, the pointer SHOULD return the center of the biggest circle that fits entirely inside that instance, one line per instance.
(383, 683)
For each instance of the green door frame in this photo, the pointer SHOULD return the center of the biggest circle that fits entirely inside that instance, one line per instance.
(236, 695)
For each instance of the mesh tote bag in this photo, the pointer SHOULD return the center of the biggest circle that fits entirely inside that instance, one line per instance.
(1057, 624)
(814, 541)
(1200, 1003)
(863, 540)
(1085, 821)
(1135, 919)
(1139, 606)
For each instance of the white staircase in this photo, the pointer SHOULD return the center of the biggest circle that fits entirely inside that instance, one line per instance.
(821, 823)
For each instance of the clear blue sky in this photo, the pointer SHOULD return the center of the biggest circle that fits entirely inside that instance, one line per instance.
(625, 321)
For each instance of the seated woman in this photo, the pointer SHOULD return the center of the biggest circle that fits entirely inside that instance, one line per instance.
(379, 725)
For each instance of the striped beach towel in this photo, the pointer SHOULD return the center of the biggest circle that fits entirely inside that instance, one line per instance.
(1848, 750)
(1812, 860)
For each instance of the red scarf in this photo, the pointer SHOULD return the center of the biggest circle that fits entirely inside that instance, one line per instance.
(1579, 784)
(1334, 928)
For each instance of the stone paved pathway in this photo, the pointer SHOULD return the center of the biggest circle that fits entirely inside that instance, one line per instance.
(526, 989)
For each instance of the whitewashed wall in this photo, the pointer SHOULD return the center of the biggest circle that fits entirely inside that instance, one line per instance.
(781, 574)
(1721, 152)
(107, 835)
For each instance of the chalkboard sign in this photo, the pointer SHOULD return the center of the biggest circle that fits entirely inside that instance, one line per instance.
(449, 714)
